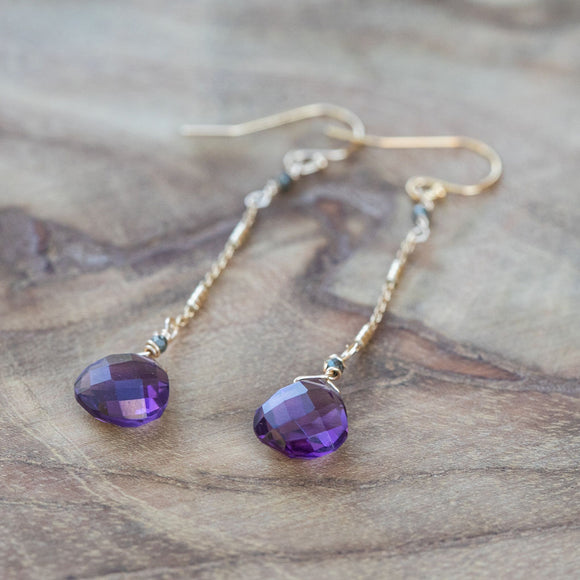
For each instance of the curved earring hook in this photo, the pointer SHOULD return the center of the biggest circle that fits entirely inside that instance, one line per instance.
(312, 111)
(417, 186)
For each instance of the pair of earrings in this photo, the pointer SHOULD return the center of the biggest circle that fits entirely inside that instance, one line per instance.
(307, 418)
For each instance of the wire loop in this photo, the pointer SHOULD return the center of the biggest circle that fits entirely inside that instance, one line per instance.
(312, 111)
(415, 184)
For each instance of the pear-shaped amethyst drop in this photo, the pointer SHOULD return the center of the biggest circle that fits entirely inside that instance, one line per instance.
(306, 419)
(128, 390)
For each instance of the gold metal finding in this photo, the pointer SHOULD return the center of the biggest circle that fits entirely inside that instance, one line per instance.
(423, 189)
(194, 302)
(296, 163)
(326, 377)
(368, 329)
(426, 191)
(416, 186)
(315, 110)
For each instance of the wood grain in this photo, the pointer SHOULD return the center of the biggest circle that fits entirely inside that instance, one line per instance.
(463, 454)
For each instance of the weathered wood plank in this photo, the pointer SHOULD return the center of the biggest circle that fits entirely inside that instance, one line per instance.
(463, 455)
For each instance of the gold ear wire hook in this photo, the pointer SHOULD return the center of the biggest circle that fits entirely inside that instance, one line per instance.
(416, 186)
(315, 110)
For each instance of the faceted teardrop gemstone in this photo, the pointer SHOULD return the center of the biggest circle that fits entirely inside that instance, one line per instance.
(306, 419)
(128, 390)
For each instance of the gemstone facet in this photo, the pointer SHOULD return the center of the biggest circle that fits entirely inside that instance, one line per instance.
(128, 390)
(306, 419)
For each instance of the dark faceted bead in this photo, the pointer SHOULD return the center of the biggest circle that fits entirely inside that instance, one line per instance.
(160, 341)
(334, 362)
(285, 181)
(420, 211)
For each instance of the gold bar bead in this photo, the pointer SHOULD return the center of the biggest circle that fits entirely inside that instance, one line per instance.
(394, 271)
(197, 296)
(239, 233)
(364, 334)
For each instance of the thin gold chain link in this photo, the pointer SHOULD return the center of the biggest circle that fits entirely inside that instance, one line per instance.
(397, 265)
(237, 237)
(297, 164)
(419, 233)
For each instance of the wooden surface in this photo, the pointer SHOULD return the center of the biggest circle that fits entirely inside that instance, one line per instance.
(463, 454)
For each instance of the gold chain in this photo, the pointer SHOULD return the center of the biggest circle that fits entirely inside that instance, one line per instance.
(425, 191)
(297, 164)
(419, 233)
(237, 237)
(366, 332)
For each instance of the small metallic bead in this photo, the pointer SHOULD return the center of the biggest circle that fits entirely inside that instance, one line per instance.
(394, 271)
(420, 211)
(334, 362)
(160, 341)
(198, 296)
(285, 181)
(239, 233)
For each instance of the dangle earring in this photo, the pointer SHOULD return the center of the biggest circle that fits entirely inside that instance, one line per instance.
(308, 419)
(130, 390)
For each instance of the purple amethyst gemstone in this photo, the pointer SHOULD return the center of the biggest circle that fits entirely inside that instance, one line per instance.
(306, 419)
(128, 390)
